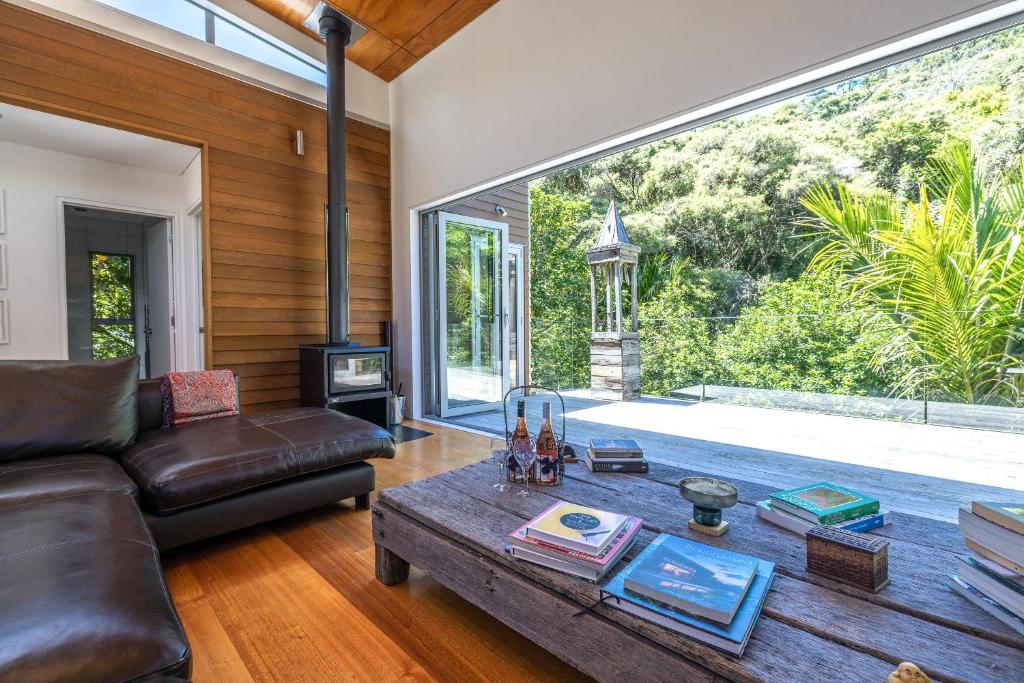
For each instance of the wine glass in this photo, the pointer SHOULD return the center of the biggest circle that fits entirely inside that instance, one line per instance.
(499, 451)
(525, 452)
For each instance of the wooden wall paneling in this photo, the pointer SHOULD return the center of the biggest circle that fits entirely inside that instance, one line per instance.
(263, 273)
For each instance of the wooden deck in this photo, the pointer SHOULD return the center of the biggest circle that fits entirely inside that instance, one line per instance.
(927, 470)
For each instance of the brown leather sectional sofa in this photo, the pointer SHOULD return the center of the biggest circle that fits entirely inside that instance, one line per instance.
(91, 489)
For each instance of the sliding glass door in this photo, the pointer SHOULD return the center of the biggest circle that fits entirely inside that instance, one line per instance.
(473, 308)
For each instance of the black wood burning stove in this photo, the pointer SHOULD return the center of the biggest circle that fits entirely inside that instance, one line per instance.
(342, 374)
(353, 379)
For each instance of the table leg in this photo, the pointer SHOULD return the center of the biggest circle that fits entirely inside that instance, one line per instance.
(391, 568)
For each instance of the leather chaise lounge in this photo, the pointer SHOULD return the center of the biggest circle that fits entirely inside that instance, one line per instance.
(92, 489)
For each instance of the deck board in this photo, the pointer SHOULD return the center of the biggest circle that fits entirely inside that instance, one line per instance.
(926, 470)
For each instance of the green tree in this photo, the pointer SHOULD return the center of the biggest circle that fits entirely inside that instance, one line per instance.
(112, 293)
(675, 343)
(950, 276)
(807, 334)
(899, 147)
(559, 289)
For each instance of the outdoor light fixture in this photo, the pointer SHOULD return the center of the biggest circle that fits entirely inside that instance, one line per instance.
(312, 22)
(500, 210)
(300, 143)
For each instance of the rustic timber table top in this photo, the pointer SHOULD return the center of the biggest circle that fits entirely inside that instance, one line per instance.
(453, 527)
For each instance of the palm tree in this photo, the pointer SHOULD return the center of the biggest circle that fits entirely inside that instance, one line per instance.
(949, 275)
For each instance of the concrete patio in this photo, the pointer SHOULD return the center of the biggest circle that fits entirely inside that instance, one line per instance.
(927, 470)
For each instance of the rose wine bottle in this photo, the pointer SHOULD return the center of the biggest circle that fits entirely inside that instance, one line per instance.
(520, 435)
(546, 466)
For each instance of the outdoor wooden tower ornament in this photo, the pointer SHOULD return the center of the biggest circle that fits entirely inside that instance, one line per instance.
(614, 346)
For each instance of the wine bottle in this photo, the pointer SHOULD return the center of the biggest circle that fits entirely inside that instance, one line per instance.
(545, 468)
(519, 434)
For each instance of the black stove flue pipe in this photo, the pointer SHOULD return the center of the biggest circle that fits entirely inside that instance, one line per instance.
(336, 31)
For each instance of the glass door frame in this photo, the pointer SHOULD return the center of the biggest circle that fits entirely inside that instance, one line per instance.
(519, 292)
(501, 231)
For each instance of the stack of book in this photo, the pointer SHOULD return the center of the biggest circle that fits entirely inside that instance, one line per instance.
(615, 455)
(992, 577)
(575, 539)
(706, 593)
(805, 507)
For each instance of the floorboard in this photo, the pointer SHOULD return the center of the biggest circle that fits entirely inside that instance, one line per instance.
(297, 600)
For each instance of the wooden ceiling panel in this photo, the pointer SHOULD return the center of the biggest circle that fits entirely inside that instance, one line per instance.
(372, 50)
(399, 20)
(399, 32)
(454, 18)
(395, 65)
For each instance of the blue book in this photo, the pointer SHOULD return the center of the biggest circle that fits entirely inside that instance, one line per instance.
(699, 579)
(731, 638)
(614, 446)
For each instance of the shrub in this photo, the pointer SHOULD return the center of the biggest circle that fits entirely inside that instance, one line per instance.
(808, 334)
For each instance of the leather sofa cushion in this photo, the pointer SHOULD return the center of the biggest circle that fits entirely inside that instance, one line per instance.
(58, 407)
(151, 405)
(196, 463)
(83, 596)
(61, 476)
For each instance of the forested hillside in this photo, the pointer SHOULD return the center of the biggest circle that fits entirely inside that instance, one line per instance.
(720, 214)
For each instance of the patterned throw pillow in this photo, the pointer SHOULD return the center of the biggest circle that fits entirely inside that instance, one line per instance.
(194, 396)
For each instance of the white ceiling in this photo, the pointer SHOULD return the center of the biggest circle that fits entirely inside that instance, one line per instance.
(37, 129)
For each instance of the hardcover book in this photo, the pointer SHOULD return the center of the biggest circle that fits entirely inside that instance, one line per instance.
(638, 466)
(797, 525)
(615, 456)
(824, 503)
(731, 638)
(590, 572)
(1000, 541)
(1009, 594)
(1006, 515)
(996, 568)
(615, 446)
(984, 552)
(988, 604)
(605, 558)
(693, 577)
(577, 527)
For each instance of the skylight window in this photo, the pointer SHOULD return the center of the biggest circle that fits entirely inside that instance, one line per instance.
(204, 21)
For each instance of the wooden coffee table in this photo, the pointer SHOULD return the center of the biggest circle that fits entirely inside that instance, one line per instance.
(453, 527)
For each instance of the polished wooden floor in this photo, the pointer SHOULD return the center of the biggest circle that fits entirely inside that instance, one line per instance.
(297, 600)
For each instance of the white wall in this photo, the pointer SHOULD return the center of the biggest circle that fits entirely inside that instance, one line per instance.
(188, 285)
(34, 181)
(531, 80)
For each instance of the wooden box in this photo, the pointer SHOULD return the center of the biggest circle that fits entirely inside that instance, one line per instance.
(861, 560)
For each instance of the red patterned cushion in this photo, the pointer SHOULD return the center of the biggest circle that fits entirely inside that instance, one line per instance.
(194, 396)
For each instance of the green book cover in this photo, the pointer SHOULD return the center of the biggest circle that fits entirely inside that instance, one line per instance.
(824, 503)
(1007, 515)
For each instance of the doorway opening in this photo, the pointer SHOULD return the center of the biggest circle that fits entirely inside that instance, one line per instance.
(476, 270)
(120, 275)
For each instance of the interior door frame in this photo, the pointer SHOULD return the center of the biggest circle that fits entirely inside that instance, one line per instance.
(64, 202)
(501, 229)
(520, 321)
